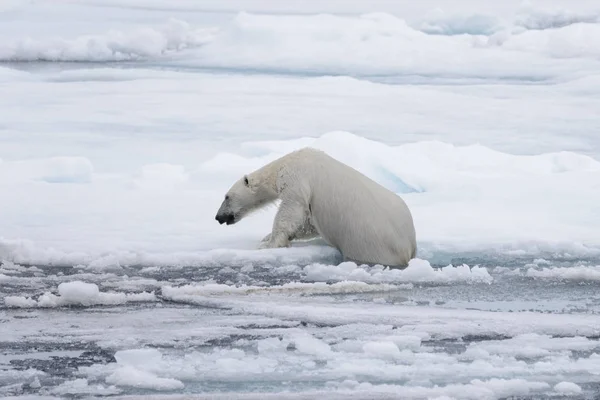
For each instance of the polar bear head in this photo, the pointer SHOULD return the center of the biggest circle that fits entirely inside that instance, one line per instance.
(246, 195)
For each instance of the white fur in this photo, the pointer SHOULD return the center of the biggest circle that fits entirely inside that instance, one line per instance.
(320, 196)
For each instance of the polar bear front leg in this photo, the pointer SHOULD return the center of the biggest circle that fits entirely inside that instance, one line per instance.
(266, 238)
(289, 220)
(305, 231)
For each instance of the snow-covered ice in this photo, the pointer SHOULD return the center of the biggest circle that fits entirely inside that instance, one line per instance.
(123, 123)
(77, 293)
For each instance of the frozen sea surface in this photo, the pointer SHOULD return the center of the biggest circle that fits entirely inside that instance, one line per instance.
(482, 332)
(123, 123)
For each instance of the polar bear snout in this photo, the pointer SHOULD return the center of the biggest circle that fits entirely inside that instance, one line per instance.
(225, 219)
(226, 214)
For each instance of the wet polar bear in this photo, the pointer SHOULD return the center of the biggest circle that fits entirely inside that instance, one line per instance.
(321, 196)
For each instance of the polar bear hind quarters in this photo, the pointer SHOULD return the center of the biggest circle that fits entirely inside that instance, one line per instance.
(321, 196)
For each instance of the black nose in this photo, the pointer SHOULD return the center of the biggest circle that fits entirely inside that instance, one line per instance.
(225, 218)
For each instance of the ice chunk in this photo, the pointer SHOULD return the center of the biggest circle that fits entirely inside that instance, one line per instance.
(19, 301)
(308, 344)
(540, 19)
(110, 261)
(129, 376)
(81, 386)
(142, 43)
(567, 388)
(576, 273)
(529, 345)
(409, 342)
(382, 349)
(439, 22)
(215, 289)
(78, 293)
(417, 271)
(270, 345)
(138, 357)
(138, 367)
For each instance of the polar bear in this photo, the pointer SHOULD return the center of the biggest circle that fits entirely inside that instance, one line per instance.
(320, 196)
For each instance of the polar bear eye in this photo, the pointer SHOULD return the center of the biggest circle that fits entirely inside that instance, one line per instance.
(226, 197)
(246, 180)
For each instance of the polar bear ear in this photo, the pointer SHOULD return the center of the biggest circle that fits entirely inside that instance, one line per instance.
(246, 182)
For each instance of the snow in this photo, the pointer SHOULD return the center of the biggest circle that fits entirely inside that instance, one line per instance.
(567, 42)
(51, 170)
(307, 344)
(436, 179)
(529, 345)
(327, 44)
(132, 377)
(532, 18)
(130, 371)
(82, 386)
(212, 289)
(123, 123)
(567, 388)
(577, 273)
(161, 176)
(19, 301)
(417, 271)
(447, 325)
(77, 293)
(114, 45)
(379, 360)
(331, 44)
(382, 349)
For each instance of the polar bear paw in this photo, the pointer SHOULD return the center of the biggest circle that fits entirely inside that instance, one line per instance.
(265, 245)
(273, 242)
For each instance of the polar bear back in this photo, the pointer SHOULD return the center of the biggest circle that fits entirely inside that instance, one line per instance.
(364, 220)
